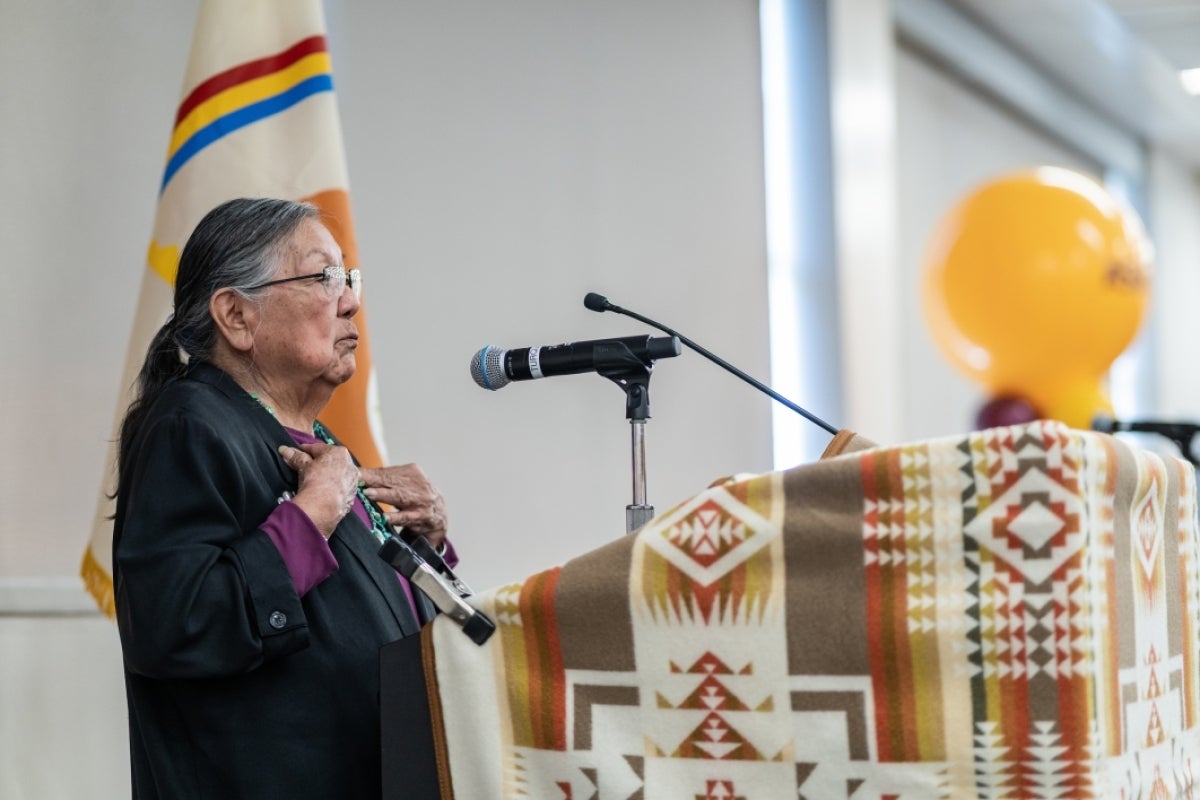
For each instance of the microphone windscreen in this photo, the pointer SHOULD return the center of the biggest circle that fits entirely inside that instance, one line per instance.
(487, 368)
(595, 302)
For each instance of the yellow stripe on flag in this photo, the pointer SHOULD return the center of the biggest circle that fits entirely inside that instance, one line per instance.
(245, 94)
(163, 261)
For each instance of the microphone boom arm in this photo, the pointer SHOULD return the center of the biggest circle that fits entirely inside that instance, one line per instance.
(597, 302)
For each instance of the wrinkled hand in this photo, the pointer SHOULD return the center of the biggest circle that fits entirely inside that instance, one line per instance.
(328, 480)
(418, 504)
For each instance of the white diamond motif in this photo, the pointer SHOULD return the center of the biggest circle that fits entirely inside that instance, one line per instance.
(1036, 525)
(1037, 568)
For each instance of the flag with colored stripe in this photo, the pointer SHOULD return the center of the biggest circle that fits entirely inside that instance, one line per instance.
(258, 118)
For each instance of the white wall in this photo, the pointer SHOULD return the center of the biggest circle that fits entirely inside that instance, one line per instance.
(504, 160)
(86, 101)
(1175, 219)
(62, 709)
(86, 97)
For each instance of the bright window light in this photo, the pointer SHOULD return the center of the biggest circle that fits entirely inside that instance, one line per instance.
(788, 432)
(1190, 78)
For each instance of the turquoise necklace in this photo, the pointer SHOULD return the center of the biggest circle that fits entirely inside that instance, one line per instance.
(379, 523)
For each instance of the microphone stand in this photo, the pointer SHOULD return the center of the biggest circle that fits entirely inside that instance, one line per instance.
(639, 513)
(623, 368)
(1182, 434)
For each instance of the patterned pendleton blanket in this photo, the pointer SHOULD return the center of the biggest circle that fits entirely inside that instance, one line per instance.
(1009, 614)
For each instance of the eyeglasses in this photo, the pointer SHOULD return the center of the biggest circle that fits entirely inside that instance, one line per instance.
(334, 280)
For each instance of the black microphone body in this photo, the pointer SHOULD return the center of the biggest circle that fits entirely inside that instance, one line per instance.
(493, 368)
(1171, 430)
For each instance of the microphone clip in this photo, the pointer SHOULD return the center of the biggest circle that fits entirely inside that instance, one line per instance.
(617, 362)
(442, 592)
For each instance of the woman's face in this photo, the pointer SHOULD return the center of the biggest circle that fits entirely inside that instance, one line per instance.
(306, 336)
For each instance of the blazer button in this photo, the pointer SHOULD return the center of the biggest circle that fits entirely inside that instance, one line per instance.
(277, 620)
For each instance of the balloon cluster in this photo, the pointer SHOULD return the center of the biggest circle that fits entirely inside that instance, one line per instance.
(1034, 284)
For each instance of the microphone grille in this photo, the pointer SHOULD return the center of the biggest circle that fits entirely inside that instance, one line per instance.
(595, 302)
(487, 368)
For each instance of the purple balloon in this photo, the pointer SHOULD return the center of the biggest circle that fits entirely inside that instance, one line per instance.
(1000, 412)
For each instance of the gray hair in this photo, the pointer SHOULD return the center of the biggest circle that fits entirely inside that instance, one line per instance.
(238, 245)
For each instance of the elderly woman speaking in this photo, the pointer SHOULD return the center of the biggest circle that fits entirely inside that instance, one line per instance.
(250, 597)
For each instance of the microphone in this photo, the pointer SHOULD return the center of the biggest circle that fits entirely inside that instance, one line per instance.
(599, 303)
(494, 368)
(475, 624)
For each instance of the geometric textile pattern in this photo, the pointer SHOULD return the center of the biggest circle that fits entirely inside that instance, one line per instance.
(709, 641)
(1011, 613)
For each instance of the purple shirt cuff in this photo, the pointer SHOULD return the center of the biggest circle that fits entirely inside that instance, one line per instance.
(449, 555)
(304, 550)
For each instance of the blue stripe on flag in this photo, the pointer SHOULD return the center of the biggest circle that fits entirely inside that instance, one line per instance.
(234, 120)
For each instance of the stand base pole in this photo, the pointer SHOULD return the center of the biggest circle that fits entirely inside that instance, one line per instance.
(639, 512)
(637, 516)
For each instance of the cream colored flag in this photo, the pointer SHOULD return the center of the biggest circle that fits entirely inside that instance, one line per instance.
(258, 118)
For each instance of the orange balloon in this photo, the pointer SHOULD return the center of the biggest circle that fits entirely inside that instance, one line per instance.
(1078, 404)
(1034, 284)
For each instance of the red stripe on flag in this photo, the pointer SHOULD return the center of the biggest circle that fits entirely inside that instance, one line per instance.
(249, 71)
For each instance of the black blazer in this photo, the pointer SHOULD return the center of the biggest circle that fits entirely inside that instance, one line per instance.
(237, 687)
